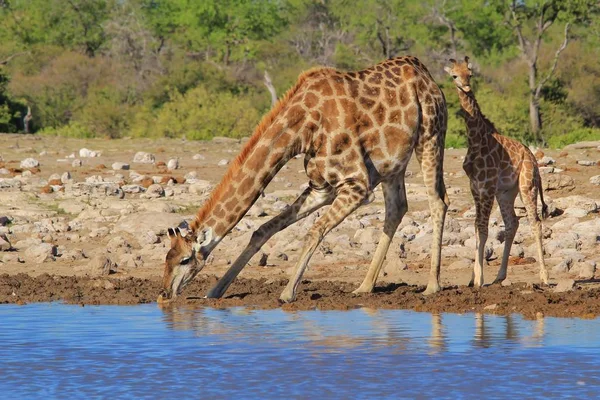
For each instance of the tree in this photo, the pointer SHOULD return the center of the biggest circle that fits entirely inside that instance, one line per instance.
(530, 21)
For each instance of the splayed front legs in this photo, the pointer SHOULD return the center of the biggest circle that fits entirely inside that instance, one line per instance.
(310, 200)
(350, 196)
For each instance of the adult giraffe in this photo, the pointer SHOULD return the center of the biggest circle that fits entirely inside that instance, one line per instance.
(500, 167)
(356, 129)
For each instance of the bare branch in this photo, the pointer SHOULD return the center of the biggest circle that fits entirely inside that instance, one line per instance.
(517, 27)
(271, 88)
(562, 47)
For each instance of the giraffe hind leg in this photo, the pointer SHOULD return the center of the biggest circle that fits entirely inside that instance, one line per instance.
(395, 207)
(529, 196)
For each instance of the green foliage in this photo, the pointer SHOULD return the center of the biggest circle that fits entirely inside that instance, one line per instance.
(195, 68)
(578, 135)
(199, 114)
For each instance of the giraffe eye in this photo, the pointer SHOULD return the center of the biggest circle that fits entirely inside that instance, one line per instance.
(184, 261)
(454, 76)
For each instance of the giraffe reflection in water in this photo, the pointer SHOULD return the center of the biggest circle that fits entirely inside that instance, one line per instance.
(365, 328)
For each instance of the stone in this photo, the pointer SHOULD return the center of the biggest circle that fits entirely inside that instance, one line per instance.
(200, 187)
(198, 157)
(98, 266)
(563, 266)
(76, 163)
(591, 144)
(154, 191)
(133, 189)
(565, 224)
(506, 282)
(546, 160)
(131, 261)
(586, 163)
(4, 171)
(595, 180)
(65, 177)
(120, 166)
(558, 181)
(546, 170)
(149, 237)
(491, 307)
(575, 212)
(223, 163)
(30, 163)
(73, 255)
(118, 244)
(142, 157)
(582, 202)
(4, 220)
(564, 285)
(87, 153)
(584, 269)
(4, 243)
(39, 253)
(173, 164)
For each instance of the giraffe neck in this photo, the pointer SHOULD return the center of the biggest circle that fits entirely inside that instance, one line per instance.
(240, 188)
(478, 125)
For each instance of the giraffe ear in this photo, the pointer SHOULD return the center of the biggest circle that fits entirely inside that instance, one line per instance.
(453, 61)
(467, 59)
(470, 66)
(448, 70)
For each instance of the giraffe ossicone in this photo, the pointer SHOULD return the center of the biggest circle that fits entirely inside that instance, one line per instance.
(498, 167)
(356, 130)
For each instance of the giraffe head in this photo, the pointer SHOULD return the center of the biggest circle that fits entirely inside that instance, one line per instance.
(184, 261)
(461, 72)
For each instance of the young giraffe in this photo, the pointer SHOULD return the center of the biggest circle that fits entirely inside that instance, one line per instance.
(500, 167)
(356, 129)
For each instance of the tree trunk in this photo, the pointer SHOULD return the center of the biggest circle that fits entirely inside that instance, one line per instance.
(271, 88)
(535, 120)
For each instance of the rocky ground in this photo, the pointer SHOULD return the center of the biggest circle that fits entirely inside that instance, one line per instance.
(85, 221)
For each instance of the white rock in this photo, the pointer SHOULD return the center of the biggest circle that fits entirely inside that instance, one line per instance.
(4, 171)
(30, 163)
(546, 160)
(564, 285)
(87, 153)
(223, 162)
(149, 238)
(576, 212)
(199, 157)
(200, 187)
(586, 203)
(120, 166)
(76, 163)
(133, 189)
(65, 177)
(39, 253)
(586, 163)
(98, 266)
(172, 164)
(142, 157)
(154, 191)
(595, 180)
(585, 269)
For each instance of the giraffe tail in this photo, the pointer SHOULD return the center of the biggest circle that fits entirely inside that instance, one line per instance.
(541, 191)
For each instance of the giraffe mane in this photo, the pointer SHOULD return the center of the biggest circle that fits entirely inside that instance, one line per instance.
(235, 166)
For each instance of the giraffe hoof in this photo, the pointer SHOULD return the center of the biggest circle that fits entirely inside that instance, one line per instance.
(214, 293)
(286, 298)
(362, 290)
(431, 289)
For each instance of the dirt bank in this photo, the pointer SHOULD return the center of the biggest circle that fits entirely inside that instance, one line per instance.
(528, 300)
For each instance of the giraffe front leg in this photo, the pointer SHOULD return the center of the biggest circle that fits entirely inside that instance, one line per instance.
(483, 206)
(395, 207)
(349, 198)
(506, 202)
(309, 201)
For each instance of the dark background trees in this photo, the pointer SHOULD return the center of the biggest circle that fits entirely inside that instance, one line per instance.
(196, 68)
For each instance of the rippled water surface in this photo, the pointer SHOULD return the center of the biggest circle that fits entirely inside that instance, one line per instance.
(64, 351)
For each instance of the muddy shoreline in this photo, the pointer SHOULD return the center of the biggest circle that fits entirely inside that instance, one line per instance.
(526, 299)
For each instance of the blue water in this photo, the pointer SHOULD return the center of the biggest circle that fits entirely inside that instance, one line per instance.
(64, 351)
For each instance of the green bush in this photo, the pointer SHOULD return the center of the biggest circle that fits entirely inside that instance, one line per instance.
(72, 130)
(577, 135)
(199, 114)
